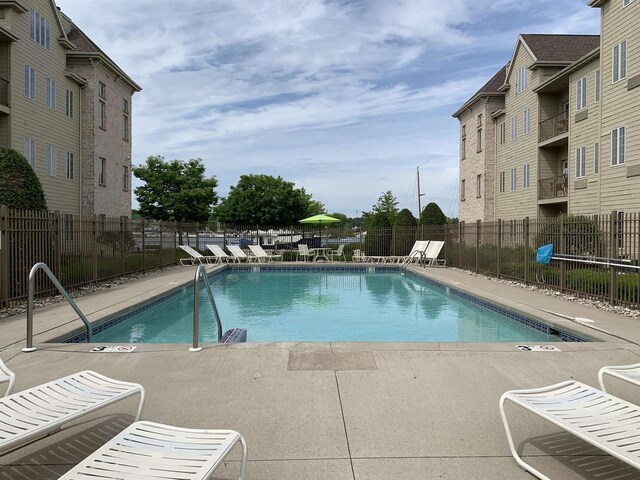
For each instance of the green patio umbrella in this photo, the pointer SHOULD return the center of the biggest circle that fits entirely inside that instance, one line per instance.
(320, 220)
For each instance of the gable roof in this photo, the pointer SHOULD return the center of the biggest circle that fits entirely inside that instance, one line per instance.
(560, 48)
(85, 47)
(491, 88)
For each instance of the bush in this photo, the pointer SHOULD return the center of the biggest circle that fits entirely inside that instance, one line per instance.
(378, 239)
(582, 236)
(404, 233)
(19, 184)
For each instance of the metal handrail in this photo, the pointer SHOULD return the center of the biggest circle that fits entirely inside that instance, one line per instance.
(201, 271)
(30, 293)
(410, 257)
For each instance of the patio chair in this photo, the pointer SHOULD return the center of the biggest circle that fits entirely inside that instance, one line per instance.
(42, 410)
(220, 254)
(305, 252)
(604, 421)
(153, 450)
(261, 255)
(239, 255)
(339, 252)
(431, 254)
(7, 375)
(417, 252)
(628, 373)
(194, 257)
(358, 255)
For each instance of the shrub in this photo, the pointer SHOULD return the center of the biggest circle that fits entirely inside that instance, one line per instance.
(378, 239)
(582, 236)
(404, 233)
(19, 184)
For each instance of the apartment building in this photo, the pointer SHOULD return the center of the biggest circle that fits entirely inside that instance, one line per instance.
(567, 137)
(67, 107)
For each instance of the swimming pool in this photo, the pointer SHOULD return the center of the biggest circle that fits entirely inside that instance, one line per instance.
(373, 305)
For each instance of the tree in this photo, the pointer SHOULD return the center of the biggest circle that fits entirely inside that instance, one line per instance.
(387, 205)
(19, 184)
(175, 190)
(266, 200)
(340, 216)
(404, 232)
(378, 239)
(432, 216)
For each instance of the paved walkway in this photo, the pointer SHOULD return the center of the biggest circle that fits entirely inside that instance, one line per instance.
(342, 411)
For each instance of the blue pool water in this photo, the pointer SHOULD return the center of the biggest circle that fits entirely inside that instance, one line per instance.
(318, 306)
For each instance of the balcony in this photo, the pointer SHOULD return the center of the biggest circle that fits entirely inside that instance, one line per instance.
(554, 126)
(554, 187)
(4, 92)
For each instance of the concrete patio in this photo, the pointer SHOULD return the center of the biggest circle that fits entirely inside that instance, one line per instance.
(334, 410)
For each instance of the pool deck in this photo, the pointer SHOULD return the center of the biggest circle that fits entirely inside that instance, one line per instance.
(360, 411)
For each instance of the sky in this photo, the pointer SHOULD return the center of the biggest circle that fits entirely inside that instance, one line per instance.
(345, 98)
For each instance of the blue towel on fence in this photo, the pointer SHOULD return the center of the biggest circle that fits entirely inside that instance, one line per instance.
(545, 252)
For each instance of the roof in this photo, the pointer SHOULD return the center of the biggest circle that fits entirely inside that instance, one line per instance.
(490, 88)
(560, 48)
(561, 78)
(87, 48)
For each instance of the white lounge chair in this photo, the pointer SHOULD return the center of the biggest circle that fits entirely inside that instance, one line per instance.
(417, 252)
(339, 252)
(39, 411)
(239, 255)
(219, 253)
(604, 421)
(7, 375)
(305, 252)
(628, 373)
(151, 450)
(431, 254)
(194, 257)
(261, 255)
(358, 255)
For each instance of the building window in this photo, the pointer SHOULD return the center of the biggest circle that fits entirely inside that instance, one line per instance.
(102, 173)
(479, 141)
(102, 90)
(502, 133)
(521, 80)
(479, 124)
(626, 2)
(70, 165)
(51, 93)
(39, 30)
(51, 160)
(514, 179)
(462, 190)
(463, 148)
(478, 186)
(525, 175)
(581, 163)
(464, 131)
(581, 93)
(29, 82)
(617, 146)
(30, 151)
(125, 127)
(69, 104)
(596, 158)
(527, 121)
(502, 182)
(102, 121)
(125, 179)
(619, 61)
(597, 86)
(514, 128)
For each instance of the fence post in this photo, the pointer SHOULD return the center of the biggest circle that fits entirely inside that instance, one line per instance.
(197, 236)
(478, 229)
(258, 236)
(161, 251)
(175, 243)
(122, 238)
(57, 243)
(94, 246)
(460, 240)
(613, 253)
(526, 250)
(224, 236)
(4, 256)
(144, 260)
(563, 248)
(498, 252)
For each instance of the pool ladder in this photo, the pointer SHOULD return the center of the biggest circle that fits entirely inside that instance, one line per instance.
(30, 293)
(407, 261)
(201, 272)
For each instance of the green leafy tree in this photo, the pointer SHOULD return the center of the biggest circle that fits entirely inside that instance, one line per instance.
(387, 205)
(404, 232)
(432, 217)
(19, 184)
(342, 217)
(379, 232)
(175, 190)
(266, 200)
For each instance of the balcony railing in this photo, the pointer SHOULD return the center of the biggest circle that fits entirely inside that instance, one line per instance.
(4, 92)
(553, 187)
(553, 126)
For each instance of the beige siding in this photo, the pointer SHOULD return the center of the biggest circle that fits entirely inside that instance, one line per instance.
(584, 198)
(33, 119)
(516, 153)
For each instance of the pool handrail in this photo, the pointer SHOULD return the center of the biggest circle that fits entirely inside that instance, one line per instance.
(201, 272)
(30, 293)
